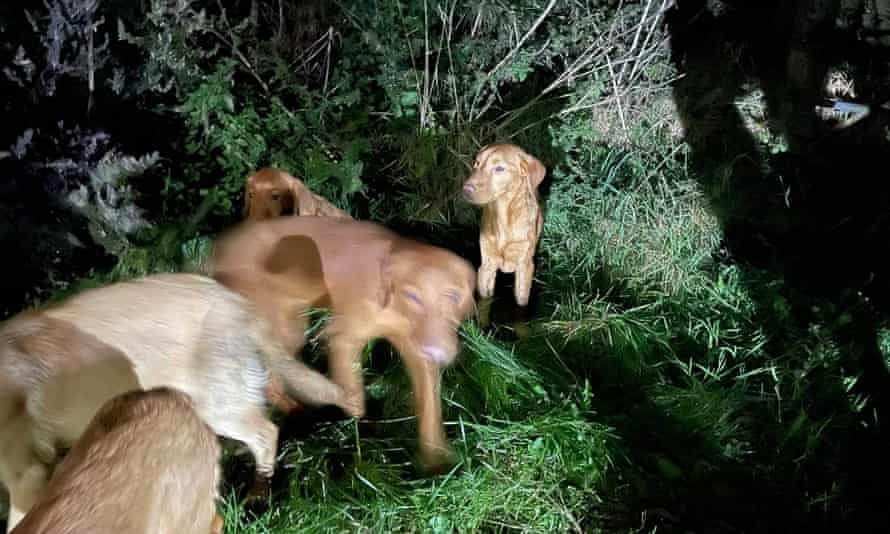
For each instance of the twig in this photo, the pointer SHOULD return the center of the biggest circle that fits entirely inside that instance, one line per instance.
(91, 66)
(512, 52)
(618, 98)
(327, 57)
(280, 21)
(448, 29)
(663, 161)
(652, 27)
(524, 38)
(424, 103)
(591, 56)
(241, 57)
(633, 45)
(314, 49)
(477, 21)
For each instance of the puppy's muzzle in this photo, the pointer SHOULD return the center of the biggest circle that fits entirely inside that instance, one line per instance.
(439, 351)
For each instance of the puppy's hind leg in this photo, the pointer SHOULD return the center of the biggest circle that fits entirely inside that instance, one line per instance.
(21, 470)
(263, 443)
(23, 493)
(254, 429)
(229, 391)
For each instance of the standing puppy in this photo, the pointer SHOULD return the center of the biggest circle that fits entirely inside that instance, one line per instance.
(60, 363)
(505, 182)
(377, 285)
(146, 464)
(273, 192)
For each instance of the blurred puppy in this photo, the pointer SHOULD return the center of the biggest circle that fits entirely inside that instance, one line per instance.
(377, 284)
(60, 363)
(146, 463)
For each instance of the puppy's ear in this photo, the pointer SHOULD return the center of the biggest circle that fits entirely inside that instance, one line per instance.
(304, 201)
(296, 255)
(248, 194)
(533, 170)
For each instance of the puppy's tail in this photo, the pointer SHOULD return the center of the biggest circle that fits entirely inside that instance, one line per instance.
(303, 383)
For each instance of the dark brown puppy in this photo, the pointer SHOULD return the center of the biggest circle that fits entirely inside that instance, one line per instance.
(378, 285)
(145, 464)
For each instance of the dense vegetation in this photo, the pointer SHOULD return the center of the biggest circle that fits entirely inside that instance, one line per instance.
(701, 356)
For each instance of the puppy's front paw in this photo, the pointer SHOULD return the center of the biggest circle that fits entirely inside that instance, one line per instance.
(258, 491)
(437, 460)
(485, 279)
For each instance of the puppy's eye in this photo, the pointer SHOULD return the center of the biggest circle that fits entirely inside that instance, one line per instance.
(413, 297)
(499, 168)
(276, 196)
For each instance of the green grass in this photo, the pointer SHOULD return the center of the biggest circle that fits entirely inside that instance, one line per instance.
(534, 475)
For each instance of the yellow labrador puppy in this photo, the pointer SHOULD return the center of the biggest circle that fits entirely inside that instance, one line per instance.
(60, 363)
(145, 464)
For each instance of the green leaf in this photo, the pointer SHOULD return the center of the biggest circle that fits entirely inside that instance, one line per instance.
(408, 98)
